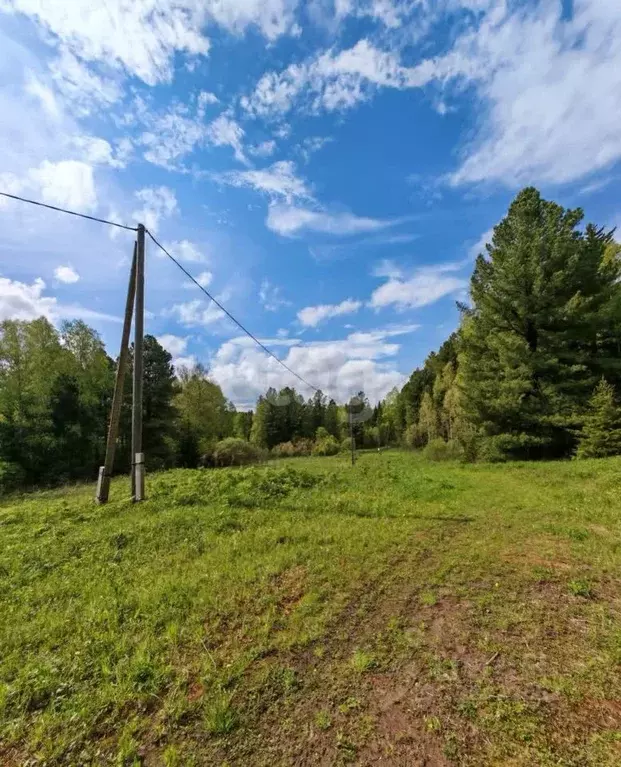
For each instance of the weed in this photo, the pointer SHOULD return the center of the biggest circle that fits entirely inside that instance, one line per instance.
(428, 598)
(220, 717)
(581, 588)
(361, 661)
(323, 720)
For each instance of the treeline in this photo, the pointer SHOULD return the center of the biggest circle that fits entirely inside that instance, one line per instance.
(56, 390)
(534, 370)
(55, 395)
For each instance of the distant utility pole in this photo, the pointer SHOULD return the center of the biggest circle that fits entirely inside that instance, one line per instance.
(105, 471)
(137, 454)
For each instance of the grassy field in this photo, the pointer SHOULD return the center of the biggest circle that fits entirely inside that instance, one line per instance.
(308, 613)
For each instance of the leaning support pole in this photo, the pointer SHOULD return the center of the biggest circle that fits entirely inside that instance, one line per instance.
(137, 454)
(105, 471)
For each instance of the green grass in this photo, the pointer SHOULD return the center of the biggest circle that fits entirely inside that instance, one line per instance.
(260, 615)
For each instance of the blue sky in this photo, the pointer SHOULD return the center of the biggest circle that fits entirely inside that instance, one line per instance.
(328, 169)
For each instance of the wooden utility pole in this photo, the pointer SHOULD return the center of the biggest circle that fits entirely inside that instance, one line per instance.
(137, 454)
(105, 471)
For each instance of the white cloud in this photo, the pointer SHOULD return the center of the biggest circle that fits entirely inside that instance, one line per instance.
(66, 274)
(333, 81)
(158, 202)
(279, 180)
(264, 149)
(387, 268)
(184, 250)
(45, 95)
(205, 99)
(195, 313)
(204, 279)
(187, 361)
(20, 301)
(479, 245)
(340, 368)
(140, 37)
(311, 316)
(84, 89)
(270, 297)
(273, 17)
(171, 136)
(176, 345)
(313, 144)
(426, 286)
(549, 85)
(224, 131)
(552, 88)
(98, 151)
(288, 220)
(68, 183)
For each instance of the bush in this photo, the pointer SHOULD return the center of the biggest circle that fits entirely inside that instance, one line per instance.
(439, 450)
(510, 447)
(414, 437)
(12, 477)
(300, 447)
(345, 445)
(326, 446)
(236, 452)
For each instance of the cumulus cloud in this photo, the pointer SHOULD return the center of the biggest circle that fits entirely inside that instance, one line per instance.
(66, 274)
(176, 345)
(340, 368)
(21, 301)
(68, 183)
(196, 313)
(289, 220)
(311, 316)
(426, 286)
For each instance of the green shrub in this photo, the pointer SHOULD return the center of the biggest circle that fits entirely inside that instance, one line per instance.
(295, 449)
(12, 477)
(439, 450)
(326, 446)
(414, 437)
(510, 447)
(345, 445)
(236, 452)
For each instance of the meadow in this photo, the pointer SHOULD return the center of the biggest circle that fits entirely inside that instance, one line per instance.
(399, 612)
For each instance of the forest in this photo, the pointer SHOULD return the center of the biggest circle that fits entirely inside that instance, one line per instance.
(533, 372)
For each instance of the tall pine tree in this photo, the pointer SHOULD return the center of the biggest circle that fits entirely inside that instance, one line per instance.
(531, 343)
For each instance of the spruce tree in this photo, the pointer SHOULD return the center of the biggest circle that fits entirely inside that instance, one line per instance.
(531, 344)
(601, 433)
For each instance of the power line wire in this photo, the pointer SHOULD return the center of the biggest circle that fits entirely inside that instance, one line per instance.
(230, 316)
(174, 260)
(70, 212)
